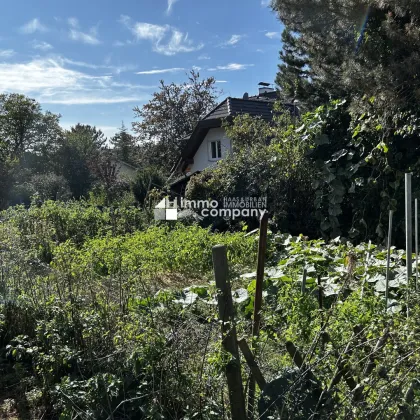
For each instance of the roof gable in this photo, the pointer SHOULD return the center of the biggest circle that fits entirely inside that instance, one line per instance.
(256, 106)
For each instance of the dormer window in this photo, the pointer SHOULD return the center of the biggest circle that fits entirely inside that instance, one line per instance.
(215, 150)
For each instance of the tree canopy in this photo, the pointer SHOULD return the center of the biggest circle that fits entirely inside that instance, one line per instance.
(170, 116)
(352, 48)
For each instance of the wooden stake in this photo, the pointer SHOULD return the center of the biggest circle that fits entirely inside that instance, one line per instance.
(252, 364)
(262, 247)
(388, 260)
(304, 281)
(229, 339)
(320, 300)
(416, 238)
(408, 227)
(366, 269)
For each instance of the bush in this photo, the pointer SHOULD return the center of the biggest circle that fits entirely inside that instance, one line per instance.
(147, 180)
(268, 161)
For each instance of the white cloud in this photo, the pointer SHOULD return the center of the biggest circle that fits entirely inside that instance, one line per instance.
(204, 57)
(232, 67)
(87, 38)
(161, 71)
(90, 100)
(165, 39)
(265, 3)
(150, 31)
(41, 45)
(32, 26)
(7, 53)
(170, 5)
(234, 39)
(76, 34)
(73, 22)
(273, 35)
(50, 82)
(114, 69)
(221, 81)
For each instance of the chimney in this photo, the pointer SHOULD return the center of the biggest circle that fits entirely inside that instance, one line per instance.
(246, 96)
(264, 88)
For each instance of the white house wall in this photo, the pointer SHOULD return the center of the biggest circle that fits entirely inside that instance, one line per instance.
(202, 158)
(126, 172)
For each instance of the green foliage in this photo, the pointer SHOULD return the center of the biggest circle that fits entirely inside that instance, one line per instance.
(170, 116)
(268, 160)
(294, 74)
(146, 180)
(125, 148)
(104, 327)
(76, 155)
(361, 159)
(48, 186)
(352, 49)
(42, 227)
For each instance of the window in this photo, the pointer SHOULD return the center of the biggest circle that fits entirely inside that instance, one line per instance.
(215, 150)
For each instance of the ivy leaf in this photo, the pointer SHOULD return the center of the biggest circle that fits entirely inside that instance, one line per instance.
(338, 155)
(322, 139)
(240, 295)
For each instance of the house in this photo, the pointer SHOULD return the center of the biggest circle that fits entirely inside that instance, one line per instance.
(125, 171)
(209, 143)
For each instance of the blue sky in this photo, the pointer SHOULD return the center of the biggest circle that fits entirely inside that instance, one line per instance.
(92, 61)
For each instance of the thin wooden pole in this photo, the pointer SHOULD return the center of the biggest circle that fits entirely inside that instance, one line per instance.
(262, 247)
(366, 269)
(408, 226)
(229, 338)
(320, 297)
(416, 238)
(408, 233)
(305, 273)
(252, 364)
(388, 260)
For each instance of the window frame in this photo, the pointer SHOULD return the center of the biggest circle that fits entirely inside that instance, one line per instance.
(218, 150)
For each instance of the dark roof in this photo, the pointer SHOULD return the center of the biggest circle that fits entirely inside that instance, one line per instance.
(256, 106)
(261, 106)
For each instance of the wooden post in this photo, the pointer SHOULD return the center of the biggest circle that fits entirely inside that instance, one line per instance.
(408, 227)
(320, 300)
(252, 364)
(388, 260)
(262, 247)
(366, 269)
(416, 238)
(305, 273)
(229, 339)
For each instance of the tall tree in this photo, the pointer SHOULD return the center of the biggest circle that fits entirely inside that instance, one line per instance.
(124, 144)
(76, 155)
(294, 73)
(24, 127)
(171, 115)
(358, 47)
(27, 138)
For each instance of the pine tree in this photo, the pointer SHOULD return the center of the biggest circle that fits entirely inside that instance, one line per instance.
(124, 143)
(351, 48)
(293, 77)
